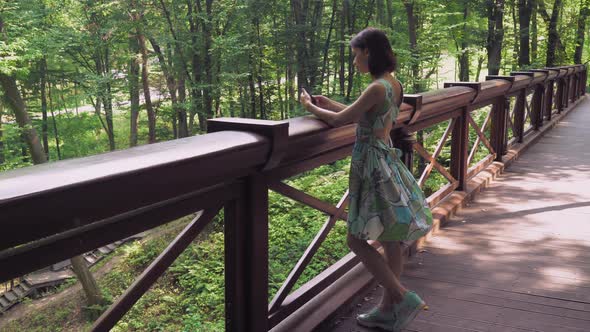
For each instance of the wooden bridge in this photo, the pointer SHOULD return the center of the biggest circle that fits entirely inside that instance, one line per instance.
(515, 260)
(518, 257)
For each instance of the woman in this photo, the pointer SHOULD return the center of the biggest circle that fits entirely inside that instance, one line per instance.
(386, 203)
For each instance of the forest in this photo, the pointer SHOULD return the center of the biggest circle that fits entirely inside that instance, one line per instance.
(83, 77)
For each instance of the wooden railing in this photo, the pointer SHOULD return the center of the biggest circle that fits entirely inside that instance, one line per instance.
(52, 212)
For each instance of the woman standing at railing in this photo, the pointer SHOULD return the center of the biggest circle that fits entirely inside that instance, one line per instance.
(386, 203)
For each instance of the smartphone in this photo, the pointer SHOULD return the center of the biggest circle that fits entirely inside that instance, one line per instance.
(313, 99)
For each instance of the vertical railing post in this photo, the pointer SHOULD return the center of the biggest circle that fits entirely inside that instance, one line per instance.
(572, 87)
(537, 106)
(519, 115)
(559, 94)
(246, 258)
(567, 90)
(574, 94)
(499, 126)
(460, 149)
(577, 86)
(246, 232)
(584, 80)
(235, 313)
(581, 83)
(405, 142)
(549, 99)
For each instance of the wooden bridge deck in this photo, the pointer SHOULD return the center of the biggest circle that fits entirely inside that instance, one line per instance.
(518, 257)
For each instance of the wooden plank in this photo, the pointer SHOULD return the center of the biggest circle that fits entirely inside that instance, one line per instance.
(503, 281)
(517, 300)
(437, 151)
(515, 240)
(501, 316)
(487, 265)
(479, 133)
(478, 139)
(438, 166)
(304, 198)
(307, 256)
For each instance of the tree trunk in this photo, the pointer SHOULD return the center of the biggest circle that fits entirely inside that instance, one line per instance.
(259, 76)
(351, 20)
(195, 91)
(381, 19)
(16, 103)
(182, 128)
(104, 95)
(299, 9)
(581, 31)
(207, 29)
(43, 73)
(415, 52)
(543, 11)
(495, 37)
(146, 88)
(133, 90)
(180, 63)
(289, 55)
(343, 15)
(91, 289)
(516, 46)
(252, 88)
(242, 102)
(525, 8)
(137, 18)
(327, 43)
(534, 31)
(390, 14)
(108, 100)
(553, 35)
(280, 95)
(464, 56)
(55, 132)
(313, 46)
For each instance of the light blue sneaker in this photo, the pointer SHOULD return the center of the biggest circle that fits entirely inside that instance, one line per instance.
(406, 311)
(377, 318)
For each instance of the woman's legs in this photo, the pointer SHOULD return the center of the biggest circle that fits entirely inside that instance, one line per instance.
(380, 268)
(393, 255)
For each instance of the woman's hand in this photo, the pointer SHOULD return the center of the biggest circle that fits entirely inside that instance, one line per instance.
(320, 101)
(305, 99)
(323, 102)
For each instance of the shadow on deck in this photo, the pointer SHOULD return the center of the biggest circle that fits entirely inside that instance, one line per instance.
(518, 257)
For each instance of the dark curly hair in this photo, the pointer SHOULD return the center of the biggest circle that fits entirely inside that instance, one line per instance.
(381, 56)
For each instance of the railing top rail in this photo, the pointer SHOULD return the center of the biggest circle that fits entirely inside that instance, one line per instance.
(25, 182)
(48, 199)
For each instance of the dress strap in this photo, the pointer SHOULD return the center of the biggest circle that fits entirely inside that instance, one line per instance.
(387, 85)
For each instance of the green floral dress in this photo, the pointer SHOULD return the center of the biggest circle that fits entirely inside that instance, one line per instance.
(386, 203)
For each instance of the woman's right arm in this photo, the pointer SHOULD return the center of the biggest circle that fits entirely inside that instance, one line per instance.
(329, 104)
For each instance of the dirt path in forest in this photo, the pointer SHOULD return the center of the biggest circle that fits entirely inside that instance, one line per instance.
(21, 310)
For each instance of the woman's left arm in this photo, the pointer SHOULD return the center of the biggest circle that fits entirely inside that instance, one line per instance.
(373, 93)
